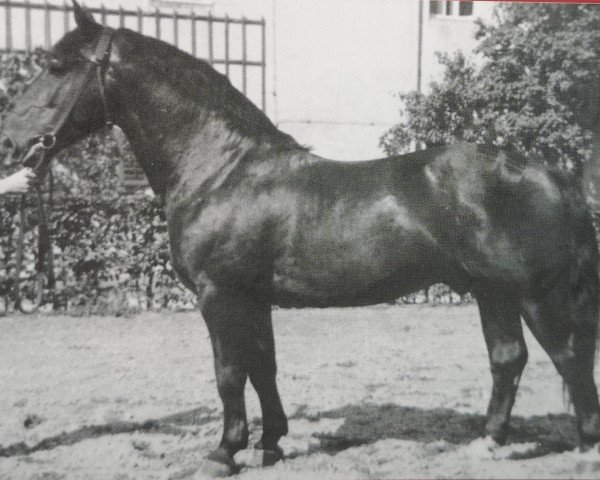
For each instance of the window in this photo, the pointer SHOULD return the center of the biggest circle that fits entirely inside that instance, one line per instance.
(465, 9)
(435, 7)
(450, 8)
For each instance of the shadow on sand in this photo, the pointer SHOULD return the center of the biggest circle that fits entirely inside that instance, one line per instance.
(366, 424)
(170, 425)
(363, 424)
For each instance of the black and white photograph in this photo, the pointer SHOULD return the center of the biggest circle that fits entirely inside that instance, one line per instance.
(299, 239)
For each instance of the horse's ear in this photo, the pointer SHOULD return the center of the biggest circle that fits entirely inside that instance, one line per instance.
(84, 19)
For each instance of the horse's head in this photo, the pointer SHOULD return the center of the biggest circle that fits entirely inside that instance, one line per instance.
(66, 101)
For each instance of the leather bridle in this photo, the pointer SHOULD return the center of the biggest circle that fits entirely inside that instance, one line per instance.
(97, 65)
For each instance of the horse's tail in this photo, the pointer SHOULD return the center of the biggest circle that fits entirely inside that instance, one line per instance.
(583, 271)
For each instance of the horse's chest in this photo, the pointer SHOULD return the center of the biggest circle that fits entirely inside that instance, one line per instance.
(231, 242)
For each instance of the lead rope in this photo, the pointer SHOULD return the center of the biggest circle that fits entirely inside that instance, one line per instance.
(44, 238)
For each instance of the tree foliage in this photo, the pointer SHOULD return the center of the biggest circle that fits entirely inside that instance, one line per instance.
(536, 88)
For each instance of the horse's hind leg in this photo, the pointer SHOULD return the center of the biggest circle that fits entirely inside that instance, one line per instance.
(566, 327)
(262, 369)
(507, 352)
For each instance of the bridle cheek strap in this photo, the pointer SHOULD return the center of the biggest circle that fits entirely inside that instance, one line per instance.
(101, 60)
(97, 65)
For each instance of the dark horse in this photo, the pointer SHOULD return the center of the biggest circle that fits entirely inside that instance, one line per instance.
(256, 220)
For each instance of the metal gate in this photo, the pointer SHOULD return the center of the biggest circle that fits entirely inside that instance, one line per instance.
(234, 46)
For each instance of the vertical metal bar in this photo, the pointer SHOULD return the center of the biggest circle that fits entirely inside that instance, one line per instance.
(140, 20)
(157, 18)
(28, 34)
(175, 29)
(8, 18)
(121, 17)
(210, 39)
(103, 15)
(263, 65)
(194, 41)
(47, 25)
(227, 45)
(244, 57)
(420, 49)
(66, 17)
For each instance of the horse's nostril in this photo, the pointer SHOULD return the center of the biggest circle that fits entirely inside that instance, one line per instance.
(8, 143)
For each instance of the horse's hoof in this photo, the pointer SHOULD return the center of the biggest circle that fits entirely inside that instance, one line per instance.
(269, 456)
(482, 448)
(216, 468)
(258, 457)
(593, 447)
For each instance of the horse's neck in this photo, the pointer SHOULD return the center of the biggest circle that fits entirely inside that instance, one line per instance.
(172, 152)
(177, 140)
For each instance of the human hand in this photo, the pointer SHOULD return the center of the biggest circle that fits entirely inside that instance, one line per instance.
(18, 182)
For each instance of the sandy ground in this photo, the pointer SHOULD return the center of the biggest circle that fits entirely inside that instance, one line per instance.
(380, 392)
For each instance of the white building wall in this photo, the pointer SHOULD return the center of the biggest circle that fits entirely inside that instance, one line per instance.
(333, 66)
(450, 33)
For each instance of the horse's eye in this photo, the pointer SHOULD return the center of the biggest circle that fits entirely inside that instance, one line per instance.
(56, 65)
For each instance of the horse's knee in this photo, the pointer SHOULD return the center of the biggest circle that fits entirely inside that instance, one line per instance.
(508, 357)
(231, 381)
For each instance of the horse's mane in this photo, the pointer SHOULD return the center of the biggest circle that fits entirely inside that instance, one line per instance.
(201, 83)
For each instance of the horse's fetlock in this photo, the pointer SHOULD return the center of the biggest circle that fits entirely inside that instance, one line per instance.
(497, 428)
(276, 429)
(236, 438)
(590, 428)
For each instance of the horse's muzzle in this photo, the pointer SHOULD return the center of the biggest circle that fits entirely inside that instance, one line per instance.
(12, 153)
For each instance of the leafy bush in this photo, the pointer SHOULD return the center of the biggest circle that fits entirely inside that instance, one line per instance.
(109, 256)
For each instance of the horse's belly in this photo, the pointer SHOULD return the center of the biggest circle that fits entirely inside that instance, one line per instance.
(292, 292)
(354, 274)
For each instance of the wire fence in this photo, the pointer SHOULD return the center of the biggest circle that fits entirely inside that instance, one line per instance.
(235, 46)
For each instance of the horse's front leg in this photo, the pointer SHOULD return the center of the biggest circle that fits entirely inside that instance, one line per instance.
(225, 314)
